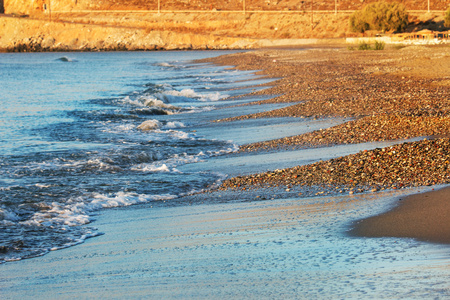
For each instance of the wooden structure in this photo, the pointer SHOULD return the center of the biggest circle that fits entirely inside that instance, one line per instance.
(423, 35)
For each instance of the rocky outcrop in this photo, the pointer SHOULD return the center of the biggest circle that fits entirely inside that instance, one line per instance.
(36, 7)
(69, 27)
(20, 35)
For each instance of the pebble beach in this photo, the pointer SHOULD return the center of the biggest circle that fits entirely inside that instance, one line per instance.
(397, 94)
(300, 219)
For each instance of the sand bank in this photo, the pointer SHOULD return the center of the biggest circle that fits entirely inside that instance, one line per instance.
(423, 216)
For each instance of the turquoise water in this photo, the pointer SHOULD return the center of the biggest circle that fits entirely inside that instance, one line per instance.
(70, 141)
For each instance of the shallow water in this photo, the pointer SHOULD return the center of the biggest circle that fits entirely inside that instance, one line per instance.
(71, 141)
(63, 163)
(286, 248)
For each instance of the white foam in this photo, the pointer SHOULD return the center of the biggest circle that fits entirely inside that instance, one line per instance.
(134, 102)
(214, 96)
(152, 168)
(76, 211)
(179, 134)
(124, 127)
(155, 124)
(152, 102)
(42, 186)
(117, 128)
(164, 64)
(188, 94)
(173, 125)
(99, 164)
(168, 65)
(170, 164)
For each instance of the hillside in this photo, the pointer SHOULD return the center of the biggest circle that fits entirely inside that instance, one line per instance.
(184, 24)
(24, 6)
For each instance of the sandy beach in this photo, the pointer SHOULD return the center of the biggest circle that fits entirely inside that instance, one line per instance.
(424, 216)
(345, 136)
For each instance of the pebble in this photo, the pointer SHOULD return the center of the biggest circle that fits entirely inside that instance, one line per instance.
(382, 106)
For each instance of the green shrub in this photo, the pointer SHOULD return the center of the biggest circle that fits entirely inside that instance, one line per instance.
(379, 45)
(447, 18)
(381, 16)
(364, 46)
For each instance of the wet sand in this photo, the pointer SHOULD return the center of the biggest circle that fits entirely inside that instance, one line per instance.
(395, 94)
(242, 248)
(423, 216)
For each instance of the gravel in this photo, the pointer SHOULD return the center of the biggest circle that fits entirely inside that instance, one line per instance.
(384, 96)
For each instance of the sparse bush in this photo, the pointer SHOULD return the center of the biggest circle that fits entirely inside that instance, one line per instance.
(358, 23)
(381, 16)
(379, 45)
(364, 46)
(447, 18)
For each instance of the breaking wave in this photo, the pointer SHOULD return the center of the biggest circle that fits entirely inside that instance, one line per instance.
(113, 135)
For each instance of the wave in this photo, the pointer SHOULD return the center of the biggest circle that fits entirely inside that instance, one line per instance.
(165, 99)
(169, 65)
(66, 59)
(170, 164)
(149, 105)
(67, 217)
(155, 168)
(114, 147)
(149, 125)
(188, 95)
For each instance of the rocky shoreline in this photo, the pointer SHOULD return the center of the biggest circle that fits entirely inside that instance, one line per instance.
(38, 35)
(387, 95)
(420, 163)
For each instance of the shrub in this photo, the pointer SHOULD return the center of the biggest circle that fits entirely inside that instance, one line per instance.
(381, 16)
(364, 46)
(379, 45)
(447, 18)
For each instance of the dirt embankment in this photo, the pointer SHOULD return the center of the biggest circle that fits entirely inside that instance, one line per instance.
(109, 25)
(130, 31)
(20, 35)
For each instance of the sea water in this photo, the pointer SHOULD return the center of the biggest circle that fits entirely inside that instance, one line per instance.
(81, 132)
(84, 132)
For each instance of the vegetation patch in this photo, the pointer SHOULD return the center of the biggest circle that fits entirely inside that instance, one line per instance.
(366, 46)
(380, 16)
(447, 18)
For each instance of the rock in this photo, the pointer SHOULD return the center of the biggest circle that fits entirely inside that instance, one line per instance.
(149, 125)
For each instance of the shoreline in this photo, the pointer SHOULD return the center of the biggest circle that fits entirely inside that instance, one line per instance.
(238, 244)
(252, 249)
(405, 101)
